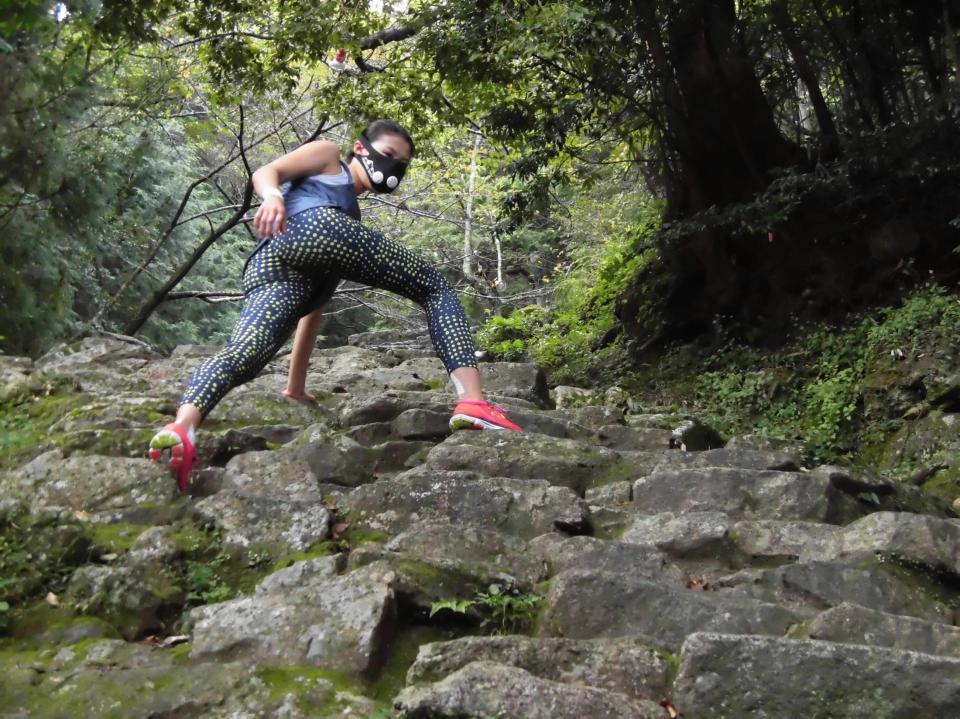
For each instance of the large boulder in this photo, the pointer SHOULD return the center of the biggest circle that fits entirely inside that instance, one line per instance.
(730, 677)
(740, 493)
(278, 526)
(930, 541)
(115, 487)
(852, 624)
(814, 586)
(486, 689)
(522, 507)
(317, 618)
(624, 666)
(563, 462)
(586, 604)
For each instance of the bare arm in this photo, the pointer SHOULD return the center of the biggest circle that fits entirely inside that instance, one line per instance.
(313, 158)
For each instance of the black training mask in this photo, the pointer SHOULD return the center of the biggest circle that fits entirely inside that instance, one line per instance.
(384, 172)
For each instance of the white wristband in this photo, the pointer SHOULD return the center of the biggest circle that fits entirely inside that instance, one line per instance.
(271, 192)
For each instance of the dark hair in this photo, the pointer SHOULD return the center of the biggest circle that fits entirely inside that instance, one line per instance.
(388, 127)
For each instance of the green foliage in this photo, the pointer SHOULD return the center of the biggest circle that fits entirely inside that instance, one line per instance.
(505, 610)
(564, 338)
(37, 555)
(203, 584)
(812, 388)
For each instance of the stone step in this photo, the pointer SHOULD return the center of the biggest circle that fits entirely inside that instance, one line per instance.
(726, 676)
(585, 604)
(623, 666)
(305, 614)
(930, 541)
(563, 462)
(739, 493)
(850, 623)
(487, 689)
(523, 508)
(812, 587)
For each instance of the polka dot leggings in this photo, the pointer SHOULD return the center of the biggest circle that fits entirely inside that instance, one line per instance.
(296, 272)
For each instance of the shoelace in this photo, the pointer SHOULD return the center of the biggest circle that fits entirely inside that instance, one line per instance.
(494, 407)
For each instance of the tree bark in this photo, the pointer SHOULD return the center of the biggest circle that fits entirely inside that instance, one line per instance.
(158, 297)
(468, 221)
(723, 144)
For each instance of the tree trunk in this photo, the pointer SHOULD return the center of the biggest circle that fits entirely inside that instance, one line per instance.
(725, 145)
(829, 141)
(158, 297)
(468, 222)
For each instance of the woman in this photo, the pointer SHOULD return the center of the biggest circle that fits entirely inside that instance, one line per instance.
(311, 239)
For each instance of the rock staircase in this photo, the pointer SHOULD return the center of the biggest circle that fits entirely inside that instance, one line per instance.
(600, 564)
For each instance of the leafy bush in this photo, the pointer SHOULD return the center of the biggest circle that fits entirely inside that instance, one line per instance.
(565, 339)
(813, 388)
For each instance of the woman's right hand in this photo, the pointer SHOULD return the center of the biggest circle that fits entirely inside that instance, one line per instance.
(271, 218)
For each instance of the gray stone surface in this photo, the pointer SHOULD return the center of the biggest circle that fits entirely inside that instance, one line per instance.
(644, 562)
(563, 462)
(485, 689)
(471, 546)
(277, 525)
(769, 539)
(735, 458)
(620, 437)
(89, 483)
(624, 666)
(694, 534)
(730, 677)
(853, 624)
(521, 507)
(132, 599)
(588, 604)
(812, 587)
(421, 424)
(928, 540)
(740, 493)
(341, 623)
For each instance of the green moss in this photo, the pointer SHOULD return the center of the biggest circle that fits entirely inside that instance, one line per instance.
(937, 586)
(945, 484)
(26, 421)
(38, 555)
(180, 654)
(116, 538)
(321, 549)
(355, 536)
(316, 688)
(401, 653)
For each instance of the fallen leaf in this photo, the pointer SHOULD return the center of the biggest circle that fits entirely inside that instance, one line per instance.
(108, 557)
(53, 600)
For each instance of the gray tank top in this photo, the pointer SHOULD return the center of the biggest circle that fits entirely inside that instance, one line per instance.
(323, 191)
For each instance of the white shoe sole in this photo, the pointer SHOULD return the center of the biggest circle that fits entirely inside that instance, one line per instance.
(463, 421)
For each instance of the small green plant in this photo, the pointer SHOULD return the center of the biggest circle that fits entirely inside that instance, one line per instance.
(204, 584)
(505, 610)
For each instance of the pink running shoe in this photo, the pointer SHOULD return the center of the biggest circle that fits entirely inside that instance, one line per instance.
(480, 415)
(175, 442)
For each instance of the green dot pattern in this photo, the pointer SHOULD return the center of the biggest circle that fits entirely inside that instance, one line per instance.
(296, 272)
